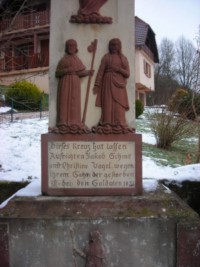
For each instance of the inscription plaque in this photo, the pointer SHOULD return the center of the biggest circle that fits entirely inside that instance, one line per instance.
(91, 164)
(96, 164)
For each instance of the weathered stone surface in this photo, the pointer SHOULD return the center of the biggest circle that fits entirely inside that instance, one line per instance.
(157, 204)
(4, 247)
(127, 242)
(188, 244)
(136, 231)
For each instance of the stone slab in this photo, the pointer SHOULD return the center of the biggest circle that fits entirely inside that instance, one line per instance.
(4, 245)
(91, 164)
(188, 244)
(151, 205)
(126, 243)
(135, 231)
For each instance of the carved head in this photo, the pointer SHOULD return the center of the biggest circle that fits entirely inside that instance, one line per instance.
(71, 46)
(95, 236)
(115, 46)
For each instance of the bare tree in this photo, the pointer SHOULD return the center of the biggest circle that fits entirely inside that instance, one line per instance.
(166, 66)
(186, 63)
(179, 68)
(196, 90)
(165, 83)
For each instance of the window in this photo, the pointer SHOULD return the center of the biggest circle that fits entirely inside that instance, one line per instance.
(21, 51)
(147, 69)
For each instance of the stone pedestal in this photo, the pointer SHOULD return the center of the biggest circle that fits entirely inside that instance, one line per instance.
(155, 229)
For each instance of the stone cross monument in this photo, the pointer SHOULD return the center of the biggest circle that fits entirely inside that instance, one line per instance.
(91, 147)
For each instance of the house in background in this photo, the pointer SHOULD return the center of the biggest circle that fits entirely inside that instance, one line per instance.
(24, 41)
(146, 55)
(24, 46)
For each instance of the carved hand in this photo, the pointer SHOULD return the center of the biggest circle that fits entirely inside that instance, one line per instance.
(91, 72)
(85, 73)
(115, 68)
(95, 89)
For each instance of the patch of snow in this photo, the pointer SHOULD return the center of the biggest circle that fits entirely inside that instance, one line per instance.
(4, 109)
(33, 189)
(150, 185)
(20, 158)
(148, 138)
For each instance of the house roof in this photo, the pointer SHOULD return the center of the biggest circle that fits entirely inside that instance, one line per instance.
(145, 38)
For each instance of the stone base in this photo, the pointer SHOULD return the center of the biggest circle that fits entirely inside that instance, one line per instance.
(155, 229)
(91, 164)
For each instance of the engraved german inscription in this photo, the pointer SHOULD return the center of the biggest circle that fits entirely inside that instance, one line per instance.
(96, 164)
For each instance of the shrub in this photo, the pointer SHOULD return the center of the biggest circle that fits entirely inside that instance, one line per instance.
(139, 108)
(25, 96)
(3, 89)
(167, 128)
(190, 103)
(186, 103)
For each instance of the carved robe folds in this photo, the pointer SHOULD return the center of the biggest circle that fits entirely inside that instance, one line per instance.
(68, 99)
(112, 96)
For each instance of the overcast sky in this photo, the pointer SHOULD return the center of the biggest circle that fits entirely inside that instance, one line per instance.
(170, 18)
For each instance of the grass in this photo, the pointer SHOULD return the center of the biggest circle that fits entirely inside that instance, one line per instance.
(182, 152)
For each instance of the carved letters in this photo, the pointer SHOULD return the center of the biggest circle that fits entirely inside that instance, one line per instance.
(91, 164)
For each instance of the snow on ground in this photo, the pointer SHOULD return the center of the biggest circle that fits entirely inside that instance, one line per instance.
(20, 158)
(4, 109)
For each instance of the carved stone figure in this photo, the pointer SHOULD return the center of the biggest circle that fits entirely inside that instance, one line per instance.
(89, 12)
(88, 7)
(110, 87)
(69, 71)
(93, 252)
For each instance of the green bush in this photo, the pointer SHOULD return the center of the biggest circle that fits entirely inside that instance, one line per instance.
(3, 89)
(186, 103)
(139, 108)
(190, 103)
(24, 95)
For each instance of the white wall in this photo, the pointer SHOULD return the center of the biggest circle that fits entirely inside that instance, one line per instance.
(140, 76)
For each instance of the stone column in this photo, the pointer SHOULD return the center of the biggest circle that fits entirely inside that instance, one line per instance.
(122, 27)
(100, 155)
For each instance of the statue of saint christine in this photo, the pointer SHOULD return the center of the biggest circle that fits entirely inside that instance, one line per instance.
(110, 87)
